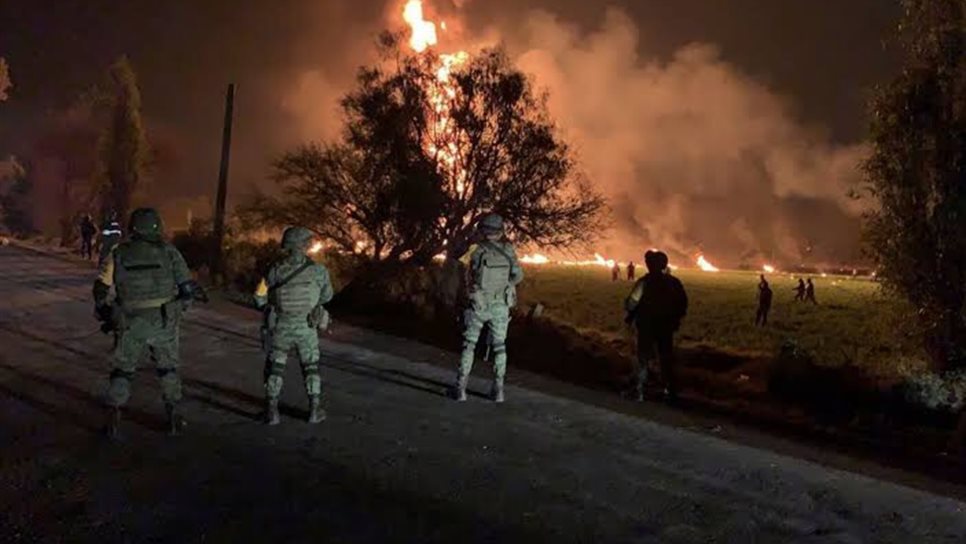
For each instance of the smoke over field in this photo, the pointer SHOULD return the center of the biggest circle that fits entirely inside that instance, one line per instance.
(693, 155)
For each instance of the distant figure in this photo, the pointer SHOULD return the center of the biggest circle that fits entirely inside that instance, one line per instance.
(764, 302)
(800, 291)
(657, 304)
(87, 232)
(615, 272)
(630, 271)
(111, 234)
(810, 292)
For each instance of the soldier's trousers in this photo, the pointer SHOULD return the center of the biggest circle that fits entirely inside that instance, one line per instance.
(152, 332)
(497, 316)
(652, 342)
(305, 341)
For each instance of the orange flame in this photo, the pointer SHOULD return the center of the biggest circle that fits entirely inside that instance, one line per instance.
(423, 31)
(768, 268)
(423, 36)
(536, 258)
(316, 247)
(703, 264)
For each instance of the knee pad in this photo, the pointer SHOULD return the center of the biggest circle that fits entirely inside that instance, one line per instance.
(499, 349)
(313, 385)
(273, 386)
(166, 372)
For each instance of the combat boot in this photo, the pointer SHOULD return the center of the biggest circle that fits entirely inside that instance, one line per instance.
(496, 393)
(176, 422)
(113, 429)
(271, 412)
(316, 413)
(459, 390)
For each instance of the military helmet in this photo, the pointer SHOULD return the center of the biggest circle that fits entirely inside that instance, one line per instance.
(296, 238)
(146, 224)
(491, 224)
(656, 261)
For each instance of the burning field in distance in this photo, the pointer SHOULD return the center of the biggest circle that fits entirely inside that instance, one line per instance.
(854, 321)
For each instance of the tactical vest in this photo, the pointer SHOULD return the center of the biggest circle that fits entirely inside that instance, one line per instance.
(143, 275)
(493, 272)
(297, 298)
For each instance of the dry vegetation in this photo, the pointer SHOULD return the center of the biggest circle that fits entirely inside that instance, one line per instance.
(854, 322)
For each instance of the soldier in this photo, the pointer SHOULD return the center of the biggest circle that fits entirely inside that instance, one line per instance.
(152, 286)
(87, 232)
(631, 271)
(657, 304)
(810, 292)
(110, 236)
(292, 294)
(615, 272)
(493, 274)
(800, 290)
(764, 302)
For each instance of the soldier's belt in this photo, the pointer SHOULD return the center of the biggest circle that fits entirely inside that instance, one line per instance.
(147, 304)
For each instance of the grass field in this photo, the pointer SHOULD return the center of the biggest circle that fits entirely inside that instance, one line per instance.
(854, 321)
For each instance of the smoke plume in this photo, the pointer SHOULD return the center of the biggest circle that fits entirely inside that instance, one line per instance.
(694, 155)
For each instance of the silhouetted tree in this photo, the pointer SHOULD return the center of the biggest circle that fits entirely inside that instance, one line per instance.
(123, 145)
(917, 173)
(424, 156)
(15, 204)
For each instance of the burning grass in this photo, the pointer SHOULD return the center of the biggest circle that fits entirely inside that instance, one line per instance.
(854, 322)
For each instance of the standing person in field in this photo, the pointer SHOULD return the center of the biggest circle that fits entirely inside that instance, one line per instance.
(764, 302)
(800, 291)
(656, 305)
(630, 271)
(87, 232)
(615, 272)
(291, 294)
(810, 292)
(493, 273)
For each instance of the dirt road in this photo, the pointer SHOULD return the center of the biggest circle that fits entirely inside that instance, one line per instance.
(395, 461)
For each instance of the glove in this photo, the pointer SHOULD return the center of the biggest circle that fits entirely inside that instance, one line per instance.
(104, 313)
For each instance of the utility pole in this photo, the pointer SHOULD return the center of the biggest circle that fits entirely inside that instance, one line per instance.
(219, 225)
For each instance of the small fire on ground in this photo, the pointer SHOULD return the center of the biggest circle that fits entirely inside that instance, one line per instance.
(705, 265)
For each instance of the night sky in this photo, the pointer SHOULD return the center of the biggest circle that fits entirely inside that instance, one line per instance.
(820, 57)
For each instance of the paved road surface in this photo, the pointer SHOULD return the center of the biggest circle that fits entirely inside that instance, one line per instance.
(395, 461)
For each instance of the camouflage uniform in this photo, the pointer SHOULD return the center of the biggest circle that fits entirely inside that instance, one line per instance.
(494, 273)
(656, 305)
(292, 293)
(150, 280)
